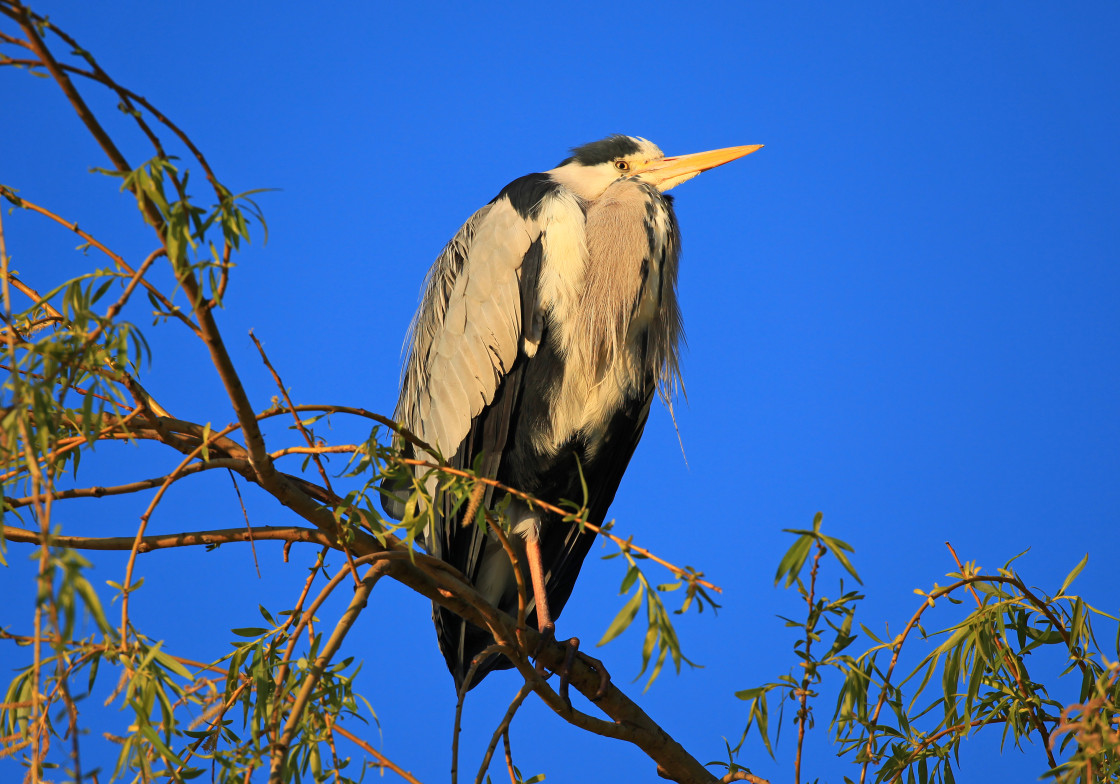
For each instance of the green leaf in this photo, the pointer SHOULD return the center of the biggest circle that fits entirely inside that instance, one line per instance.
(837, 548)
(793, 560)
(160, 746)
(751, 694)
(625, 617)
(628, 580)
(93, 603)
(1073, 575)
(175, 667)
(249, 631)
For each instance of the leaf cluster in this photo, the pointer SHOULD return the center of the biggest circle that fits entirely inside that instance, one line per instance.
(983, 665)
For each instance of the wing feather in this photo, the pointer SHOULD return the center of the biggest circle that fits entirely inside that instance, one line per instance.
(465, 336)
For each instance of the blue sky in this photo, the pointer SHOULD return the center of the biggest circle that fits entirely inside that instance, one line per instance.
(902, 312)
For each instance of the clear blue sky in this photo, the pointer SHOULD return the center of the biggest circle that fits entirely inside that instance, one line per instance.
(902, 312)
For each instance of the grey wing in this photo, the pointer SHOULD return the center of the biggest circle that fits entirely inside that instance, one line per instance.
(466, 334)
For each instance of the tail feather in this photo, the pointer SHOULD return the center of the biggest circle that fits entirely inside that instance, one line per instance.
(461, 642)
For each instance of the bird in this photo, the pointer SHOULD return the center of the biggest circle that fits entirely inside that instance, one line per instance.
(545, 328)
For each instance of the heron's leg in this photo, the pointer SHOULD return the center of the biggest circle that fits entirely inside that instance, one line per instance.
(547, 628)
(540, 595)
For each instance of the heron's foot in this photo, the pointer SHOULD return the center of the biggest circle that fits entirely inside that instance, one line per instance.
(604, 676)
(548, 636)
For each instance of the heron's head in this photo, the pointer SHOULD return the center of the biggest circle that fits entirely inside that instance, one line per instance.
(593, 167)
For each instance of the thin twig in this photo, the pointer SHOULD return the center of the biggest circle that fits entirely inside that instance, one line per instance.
(896, 646)
(148, 544)
(384, 761)
(513, 777)
(287, 399)
(457, 725)
(310, 443)
(515, 563)
(502, 730)
(803, 696)
(147, 516)
(116, 307)
(131, 487)
(248, 525)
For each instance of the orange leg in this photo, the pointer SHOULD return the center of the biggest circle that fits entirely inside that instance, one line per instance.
(540, 594)
(548, 629)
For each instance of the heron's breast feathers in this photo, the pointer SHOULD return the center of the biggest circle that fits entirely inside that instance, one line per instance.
(605, 307)
(602, 292)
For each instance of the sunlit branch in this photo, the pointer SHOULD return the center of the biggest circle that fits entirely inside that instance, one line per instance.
(896, 646)
(143, 398)
(101, 77)
(111, 430)
(131, 487)
(500, 731)
(39, 376)
(281, 533)
(116, 307)
(384, 761)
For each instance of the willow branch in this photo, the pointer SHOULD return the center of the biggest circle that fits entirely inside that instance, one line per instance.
(281, 533)
(382, 760)
(897, 643)
(151, 408)
(502, 730)
(315, 672)
(116, 307)
(207, 327)
(125, 489)
(113, 429)
(101, 77)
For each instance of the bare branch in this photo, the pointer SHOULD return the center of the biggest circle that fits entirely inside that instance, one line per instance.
(501, 731)
(131, 487)
(306, 435)
(384, 761)
(280, 533)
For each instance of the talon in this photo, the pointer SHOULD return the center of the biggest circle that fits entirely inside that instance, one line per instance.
(548, 636)
(565, 671)
(604, 676)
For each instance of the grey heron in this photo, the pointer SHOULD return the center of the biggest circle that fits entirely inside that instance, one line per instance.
(545, 327)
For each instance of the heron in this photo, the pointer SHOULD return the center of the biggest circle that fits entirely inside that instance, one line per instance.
(545, 328)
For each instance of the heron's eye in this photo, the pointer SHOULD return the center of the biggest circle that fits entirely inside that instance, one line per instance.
(622, 165)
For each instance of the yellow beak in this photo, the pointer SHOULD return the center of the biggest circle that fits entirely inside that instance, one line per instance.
(670, 172)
